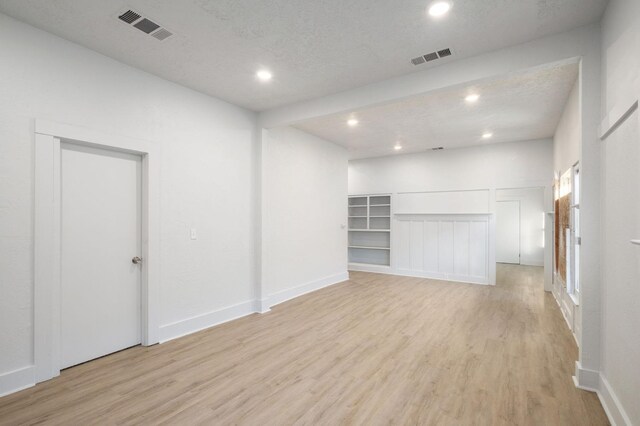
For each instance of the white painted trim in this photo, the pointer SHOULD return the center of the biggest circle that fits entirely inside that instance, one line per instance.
(291, 293)
(229, 313)
(462, 279)
(261, 306)
(47, 235)
(593, 381)
(611, 404)
(201, 322)
(17, 380)
(618, 114)
(363, 267)
(586, 379)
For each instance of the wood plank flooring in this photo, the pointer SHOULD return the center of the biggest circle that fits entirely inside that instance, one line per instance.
(374, 350)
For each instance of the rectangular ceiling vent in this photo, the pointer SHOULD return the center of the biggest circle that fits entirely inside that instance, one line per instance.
(444, 53)
(437, 148)
(145, 25)
(129, 17)
(433, 56)
(162, 33)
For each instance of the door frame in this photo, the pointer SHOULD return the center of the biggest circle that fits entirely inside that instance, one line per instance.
(47, 231)
(519, 230)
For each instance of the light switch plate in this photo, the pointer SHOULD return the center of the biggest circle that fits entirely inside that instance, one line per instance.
(194, 236)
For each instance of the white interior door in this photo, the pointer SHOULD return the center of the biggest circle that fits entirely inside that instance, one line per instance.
(100, 234)
(508, 232)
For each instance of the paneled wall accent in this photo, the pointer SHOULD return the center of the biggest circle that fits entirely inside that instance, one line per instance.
(450, 247)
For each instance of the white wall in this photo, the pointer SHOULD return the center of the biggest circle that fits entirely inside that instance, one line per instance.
(532, 222)
(620, 61)
(567, 139)
(304, 213)
(505, 165)
(206, 177)
(620, 350)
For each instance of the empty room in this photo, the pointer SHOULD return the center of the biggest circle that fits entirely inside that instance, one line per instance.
(329, 212)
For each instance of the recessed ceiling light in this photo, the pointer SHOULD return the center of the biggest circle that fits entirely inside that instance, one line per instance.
(472, 98)
(487, 135)
(264, 75)
(398, 147)
(352, 122)
(439, 8)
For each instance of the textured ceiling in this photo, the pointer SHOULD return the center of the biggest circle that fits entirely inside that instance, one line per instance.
(520, 106)
(313, 47)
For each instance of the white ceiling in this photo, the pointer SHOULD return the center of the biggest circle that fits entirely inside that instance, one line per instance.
(314, 47)
(522, 106)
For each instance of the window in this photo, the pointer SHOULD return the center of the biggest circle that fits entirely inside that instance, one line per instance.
(567, 230)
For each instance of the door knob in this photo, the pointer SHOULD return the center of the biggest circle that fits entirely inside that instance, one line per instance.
(136, 260)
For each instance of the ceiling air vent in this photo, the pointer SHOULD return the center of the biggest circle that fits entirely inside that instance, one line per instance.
(444, 53)
(145, 25)
(162, 33)
(129, 16)
(437, 148)
(431, 56)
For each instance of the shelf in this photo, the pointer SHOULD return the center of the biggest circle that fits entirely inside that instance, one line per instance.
(370, 231)
(369, 248)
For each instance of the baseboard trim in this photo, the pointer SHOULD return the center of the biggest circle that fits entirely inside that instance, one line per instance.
(17, 380)
(291, 293)
(210, 319)
(261, 306)
(593, 381)
(204, 321)
(465, 279)
(612, 406)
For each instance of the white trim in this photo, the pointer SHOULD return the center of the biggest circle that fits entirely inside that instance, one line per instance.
(453, 278)
(201, 322)
(293, 292)
(586, 379)
(365, 267)
(47, 235)
(611, 404)
(17, 380)
(593, 381)
(618, 114)
(261, 306)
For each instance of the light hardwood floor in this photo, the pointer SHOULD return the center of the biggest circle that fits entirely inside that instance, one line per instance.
(374, 350)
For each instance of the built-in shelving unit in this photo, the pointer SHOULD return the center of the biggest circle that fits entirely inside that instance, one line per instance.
(370, 230)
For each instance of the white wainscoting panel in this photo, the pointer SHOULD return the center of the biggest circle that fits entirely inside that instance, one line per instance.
(449, 247)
